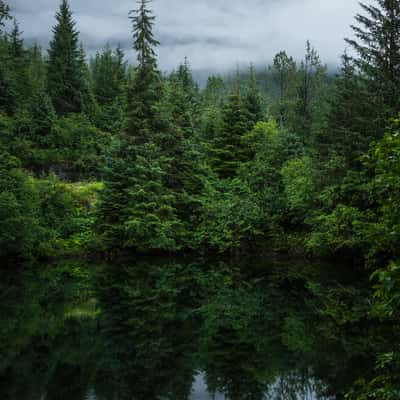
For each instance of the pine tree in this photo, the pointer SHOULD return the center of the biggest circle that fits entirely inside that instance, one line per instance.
(16, 43)
(4, 13)
(137, 209)
(226, 149)
(377, 44)
(253, 99)
(348, 132)
(37, 67)
(284, 72)
(18, 65)
(107, 75)
(183, 99)
(7, 93)
(88, 99)
(309, 108)
(64, 70)
(183, 162)
(144, 93)
(108, 79)
(40, 108)
(214, 92)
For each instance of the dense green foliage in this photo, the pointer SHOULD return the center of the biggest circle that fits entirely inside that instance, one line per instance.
(64, 68)
(104, 157)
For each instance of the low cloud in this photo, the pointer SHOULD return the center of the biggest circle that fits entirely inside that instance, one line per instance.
(213, 34)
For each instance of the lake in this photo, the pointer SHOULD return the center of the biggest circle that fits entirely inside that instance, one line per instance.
(184, 330)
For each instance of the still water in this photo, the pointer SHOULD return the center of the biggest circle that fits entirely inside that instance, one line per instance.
(182, 331)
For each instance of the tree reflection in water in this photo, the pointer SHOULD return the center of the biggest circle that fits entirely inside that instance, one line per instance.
(179, 331)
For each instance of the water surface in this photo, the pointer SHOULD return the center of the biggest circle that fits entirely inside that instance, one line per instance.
(183, 331)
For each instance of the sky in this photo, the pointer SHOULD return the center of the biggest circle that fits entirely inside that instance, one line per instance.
(216, 35)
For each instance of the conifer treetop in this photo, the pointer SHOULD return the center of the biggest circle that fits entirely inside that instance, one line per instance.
(4, 12)
(378, 29)
(144, 41)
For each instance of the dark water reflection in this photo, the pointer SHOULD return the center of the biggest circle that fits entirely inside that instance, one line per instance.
(183, 330)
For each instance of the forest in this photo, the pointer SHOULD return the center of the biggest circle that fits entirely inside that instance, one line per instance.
(106, 157)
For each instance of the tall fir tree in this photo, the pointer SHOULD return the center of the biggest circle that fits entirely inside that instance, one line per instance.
(40, 108)
(377, 44)
(19, 66)
(64, 69)
(107, 75)
(108, 79)
(137, 211)
(348, 132)
(310, 102)
(4, 13)
(8, 95)
(252, 98)
(182, 97)
(144, 92)
(284, 71)
(226, 148)
(212, 99)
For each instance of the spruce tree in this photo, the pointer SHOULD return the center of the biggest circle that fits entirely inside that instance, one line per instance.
(8, 101)
(377, 44)
(7, 93)
(253, 99)
(226, 149)
(64, 69)
(310, 102)
(18, 65)
(212, 99)
(16, 43)
(284, 72)
(144, 92)
(107, 75)
(88, 100)
(4, 13)
(348, 132)
(183, 99)
(137, 210)
(183, 163)
(39, 107)
(108, 79)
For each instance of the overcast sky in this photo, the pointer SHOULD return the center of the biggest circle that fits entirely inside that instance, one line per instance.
(213, 34)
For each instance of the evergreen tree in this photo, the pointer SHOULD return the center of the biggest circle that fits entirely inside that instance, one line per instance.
(108, 79)
(4, 13)
(37, 67)
(212, 100)
(107, 74)
(137, 208)
(253, 99)
(40, 108)
(16, 43)
(348, 132)
(377, 44)
(284, 72)
(144, 92)
(64, 70)
(89, 103)
(183, 99)
(18, 65)
(214, 92)
(309, 108)
(8, 94)
(226, 149)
